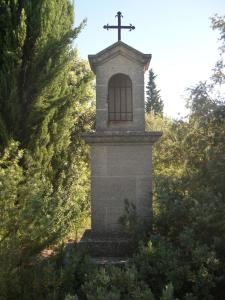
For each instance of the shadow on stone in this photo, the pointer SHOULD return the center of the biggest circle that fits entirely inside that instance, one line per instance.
(105, 245)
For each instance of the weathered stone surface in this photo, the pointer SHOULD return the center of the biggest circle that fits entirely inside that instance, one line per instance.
(108, 246)
(108, 195)
(140, 137)
(119, 58)
(121, 169)
(116, 49)
(121, 151)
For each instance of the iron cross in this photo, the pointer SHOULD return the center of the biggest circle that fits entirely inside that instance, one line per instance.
(119, 26)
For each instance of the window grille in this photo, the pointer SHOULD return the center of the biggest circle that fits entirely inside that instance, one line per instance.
(120, 106)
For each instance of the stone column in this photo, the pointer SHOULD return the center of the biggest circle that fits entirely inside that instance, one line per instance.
(121, 150)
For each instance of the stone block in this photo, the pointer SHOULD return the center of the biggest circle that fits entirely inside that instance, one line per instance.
(99, 160)
(101, 119)
(138, 97)
(102, 245)
(108, 195)
(139, 119)
(144, 195)
(119, 171)
(128, 160)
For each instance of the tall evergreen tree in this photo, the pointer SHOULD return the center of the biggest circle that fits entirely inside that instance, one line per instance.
(45, 102)
(154, 102)
(38, 102)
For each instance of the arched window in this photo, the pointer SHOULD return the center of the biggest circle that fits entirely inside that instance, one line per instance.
(120, 98)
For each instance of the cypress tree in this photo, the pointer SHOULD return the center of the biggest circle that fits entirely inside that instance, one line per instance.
(37, 100)
(154, 102)
(45, 102)
(12, 37)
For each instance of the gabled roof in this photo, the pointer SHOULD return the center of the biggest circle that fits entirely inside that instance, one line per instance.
(119, 48)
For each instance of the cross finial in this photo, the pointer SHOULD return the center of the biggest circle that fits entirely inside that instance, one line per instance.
(119, 26)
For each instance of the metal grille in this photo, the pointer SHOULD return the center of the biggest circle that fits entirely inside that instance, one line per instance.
(120, 98)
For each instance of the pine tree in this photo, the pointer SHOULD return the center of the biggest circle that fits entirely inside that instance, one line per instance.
(154, 102)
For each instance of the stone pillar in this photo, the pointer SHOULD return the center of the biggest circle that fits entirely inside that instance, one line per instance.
(121, 168)
(121, 150)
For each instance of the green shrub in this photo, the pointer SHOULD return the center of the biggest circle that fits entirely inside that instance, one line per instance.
(189, 266)
(116, 283)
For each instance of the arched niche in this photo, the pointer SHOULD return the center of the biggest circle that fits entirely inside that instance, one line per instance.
(120, 102)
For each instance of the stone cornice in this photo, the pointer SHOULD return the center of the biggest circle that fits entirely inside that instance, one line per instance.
(122, 137)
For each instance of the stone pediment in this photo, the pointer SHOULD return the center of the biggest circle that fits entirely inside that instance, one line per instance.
(116, 49)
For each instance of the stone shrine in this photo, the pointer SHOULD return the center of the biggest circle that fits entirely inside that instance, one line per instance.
(121, 149)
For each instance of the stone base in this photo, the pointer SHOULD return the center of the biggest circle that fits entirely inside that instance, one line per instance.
(105, 245)
(121, 170)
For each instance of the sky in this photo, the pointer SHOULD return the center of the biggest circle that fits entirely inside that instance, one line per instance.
(177, 33)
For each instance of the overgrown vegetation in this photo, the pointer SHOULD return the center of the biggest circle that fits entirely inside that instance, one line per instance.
(45, 103)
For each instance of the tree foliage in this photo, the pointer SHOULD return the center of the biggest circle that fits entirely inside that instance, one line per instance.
(45, 103)
(190, 198)
(154, 103)
(185, 248)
